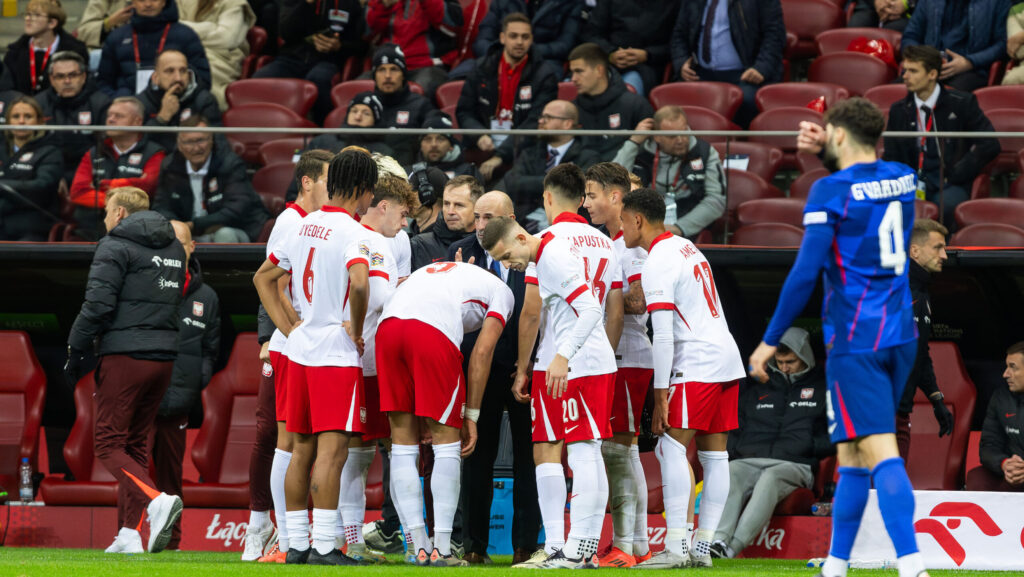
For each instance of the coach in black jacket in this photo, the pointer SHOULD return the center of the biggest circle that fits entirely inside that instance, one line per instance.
(478, 472)
(1002, 434)
(453, 224)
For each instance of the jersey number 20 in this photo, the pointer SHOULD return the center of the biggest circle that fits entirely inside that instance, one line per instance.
(891, 252)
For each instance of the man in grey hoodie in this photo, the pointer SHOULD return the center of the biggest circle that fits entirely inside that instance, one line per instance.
(783, 432)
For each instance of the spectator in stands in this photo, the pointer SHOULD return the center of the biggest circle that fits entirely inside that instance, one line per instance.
(429, 184)
(121, 159)
(30, 171)
(555, 24)
(424, 30)
(635, 36)
(204, 184)
(174, 96)
(364, 111)
(403, 108)
(222, 26)
(1015, 44)
(100, 18)
(783, 432)
(319, 36)
(929, 106)
(927, 255)
(72, 98)
(971, 36)
(457, 221)
(507, 89)
(744, 46)
(442, 150)
(602, 100)
(525, 182)
(1002, 435)
(685, 169)
(129, 52)
(198, 347)
(27, 57)
(888, 14)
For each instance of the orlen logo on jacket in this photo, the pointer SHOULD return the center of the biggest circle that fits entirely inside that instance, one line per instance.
(171, 262)
(945, 539)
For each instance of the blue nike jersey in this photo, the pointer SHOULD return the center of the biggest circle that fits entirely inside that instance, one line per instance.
(870, 208)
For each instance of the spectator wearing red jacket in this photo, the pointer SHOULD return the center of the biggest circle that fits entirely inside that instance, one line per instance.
(426, 32)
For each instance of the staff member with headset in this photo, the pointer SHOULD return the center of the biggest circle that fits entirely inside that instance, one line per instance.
(130, 317)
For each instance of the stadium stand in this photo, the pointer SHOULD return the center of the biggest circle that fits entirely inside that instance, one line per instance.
(722, 97)
(293, 93)
(22, 392)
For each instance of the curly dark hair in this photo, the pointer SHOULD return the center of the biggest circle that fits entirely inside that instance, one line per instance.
(861, 119)
(646, 202)
(351, 173)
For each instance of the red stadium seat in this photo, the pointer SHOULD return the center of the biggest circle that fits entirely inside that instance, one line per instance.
(268, 227)
(775, 234)
(224, 444)
(856, 71)
(785, 210)
(808, 162)
(722, 97)
(925, 209)
(448, 93)
(798, 94)
(22, 391)
(741, 186)
(257, 39)
(993, 97)
(937, 463)
(994, 235)
(991, 210)
(787, 118)
(281, 150)
(567, 91)
(886, 95)
(801, 187)
(1007, 120)
(271, 183)
(1017, 188)
(799, 501)
(838, 40)
(262, 115)
(93, 485)
(807, 19)
(700, 118)
(335, 118)
(762, 160)
(294, 94)
(344, 92)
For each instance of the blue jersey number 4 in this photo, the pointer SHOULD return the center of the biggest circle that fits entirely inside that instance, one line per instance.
(891, 252)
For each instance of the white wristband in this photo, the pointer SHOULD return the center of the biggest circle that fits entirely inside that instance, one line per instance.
(472, 414)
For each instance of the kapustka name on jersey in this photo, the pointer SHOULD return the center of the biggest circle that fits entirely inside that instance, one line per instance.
(591, 241)
(315, 231)
(879, 189)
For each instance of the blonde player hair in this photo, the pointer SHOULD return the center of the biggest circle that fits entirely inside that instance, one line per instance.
(129, 198)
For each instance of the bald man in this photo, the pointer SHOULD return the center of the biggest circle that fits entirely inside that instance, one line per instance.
(478, 468)
(198, 345)
(173, 95)
(525, 182)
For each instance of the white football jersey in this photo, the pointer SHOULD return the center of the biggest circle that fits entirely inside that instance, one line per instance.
(284, 227)
(319, 255)
(452, 297)
(383, 282)
(635, 346)
(402, 252)
(677, 277)
(574, 258)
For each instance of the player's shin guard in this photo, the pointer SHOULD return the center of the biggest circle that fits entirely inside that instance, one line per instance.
(590, 493)
(640, 540)
(896, 503)
(622, 492)
(712, 503)
(675, 474)
(847, 509)
(445, 484)
(278, 469)
(407, 494)
(551, 495)
(352, 499)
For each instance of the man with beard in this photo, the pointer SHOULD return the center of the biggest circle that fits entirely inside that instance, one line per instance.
(173, 96)
(460, 195)
(443, 151)
(402, 107)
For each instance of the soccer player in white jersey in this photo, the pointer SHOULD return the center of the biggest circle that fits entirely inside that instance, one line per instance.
(419, 370)
(696, 370)
(607, 183)
(393, 199)
(324, 377)
(311, 177)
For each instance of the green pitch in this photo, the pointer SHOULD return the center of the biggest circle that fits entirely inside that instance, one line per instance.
(90, 563)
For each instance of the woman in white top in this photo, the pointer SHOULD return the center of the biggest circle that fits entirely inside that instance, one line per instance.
(222, 26)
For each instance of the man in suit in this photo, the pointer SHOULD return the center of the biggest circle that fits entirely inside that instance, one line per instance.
(478, 469)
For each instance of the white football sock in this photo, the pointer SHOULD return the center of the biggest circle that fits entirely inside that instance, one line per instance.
(352, 499)
(910, 565)
(551, 495)
(622, 493)
(278, 469)
(407, 494)
(325, 529)
(835, 567)
(298, 529)
(590, 494)
(675, 475)
(258, 520)
(641, 546)
(445, 485)
(712, 503)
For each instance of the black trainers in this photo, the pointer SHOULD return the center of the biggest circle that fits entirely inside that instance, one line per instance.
(718, 551)
(333, 557)
(296, 557)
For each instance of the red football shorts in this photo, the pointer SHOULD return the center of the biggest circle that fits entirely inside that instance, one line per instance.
(376, 425)
(419, 371)
(704, 407)
(279, 364)
(580, 414)
(323, 399)
(631, 386)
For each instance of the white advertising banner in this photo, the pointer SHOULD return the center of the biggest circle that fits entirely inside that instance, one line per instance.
(955, 530)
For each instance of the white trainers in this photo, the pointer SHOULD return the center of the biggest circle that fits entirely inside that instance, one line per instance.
(699, 560)
(365, 555)
(558, 560)
(127, 541)
(534, 562)
(258, 541)
(163, 512)
(665, 560)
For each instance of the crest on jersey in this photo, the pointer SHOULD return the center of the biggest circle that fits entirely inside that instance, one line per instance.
(362, 414)
(614, 120)
(213, 184)
(197, 308)
(135, 158)
(525, 93)
(806, 393)
(185, 114)
(25, 157)
(697, 164)
(402, 117)
(376, 259)
(85, 117)
(268, 370)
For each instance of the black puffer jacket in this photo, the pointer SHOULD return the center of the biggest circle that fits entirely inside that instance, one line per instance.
(614, 109)
(432, 246)
(17, 68)
(1002, 435)
(923, 374)
(404, 109)
(134, 289)
(34, 172)
(198, 344)
(87, 108)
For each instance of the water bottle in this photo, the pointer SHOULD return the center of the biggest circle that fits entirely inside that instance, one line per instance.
(25, 481)
(821, 509)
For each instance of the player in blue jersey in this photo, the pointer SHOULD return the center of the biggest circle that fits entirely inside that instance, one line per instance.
(857, 228)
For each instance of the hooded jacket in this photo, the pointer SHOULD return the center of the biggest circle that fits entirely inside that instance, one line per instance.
(192, 101)
(87, 108)
(17, 68)
(425, 29)
(198, 344)
(404, 109)
(785, 418)
(922, 376)
(134, 289)
(432, 246)
(34, 172)
(1002, 434)
(614, 109)
(155, 34)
